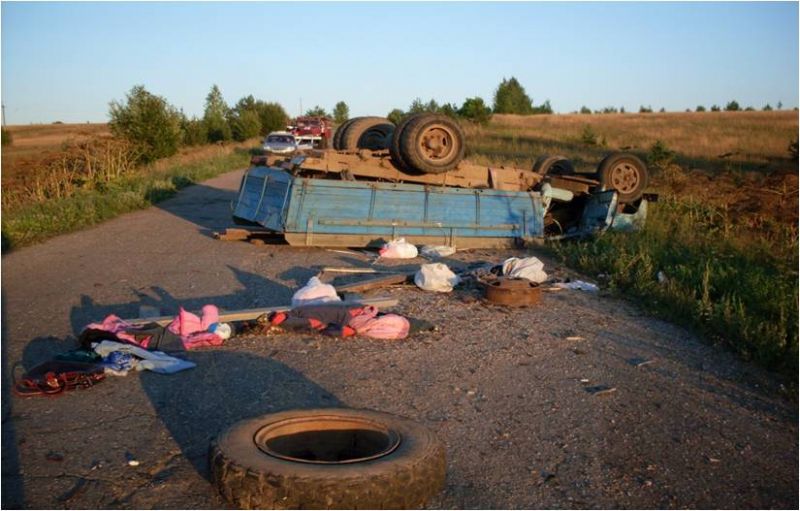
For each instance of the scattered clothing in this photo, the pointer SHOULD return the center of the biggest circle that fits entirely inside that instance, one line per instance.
(56, 376)
(436, 277)
(529, 268)
(118, 363)
(155, 361)
(315, 292)
(194, 331)
(86, 356)
(341, 321)
(150, 336)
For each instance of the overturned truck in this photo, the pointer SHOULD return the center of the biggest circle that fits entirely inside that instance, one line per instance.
(381, 181)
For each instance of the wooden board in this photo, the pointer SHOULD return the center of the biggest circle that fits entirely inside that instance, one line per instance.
(373, 283)
(250, 314)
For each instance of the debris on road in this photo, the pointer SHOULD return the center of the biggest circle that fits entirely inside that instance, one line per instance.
(529, 268)
(315, 292)
(436, 251)
(436, 277)
(398, 249)
(337, 321)
(578, 284)
(513, 292)
(600, 390)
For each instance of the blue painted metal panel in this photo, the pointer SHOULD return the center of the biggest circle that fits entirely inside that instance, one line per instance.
(263, 197)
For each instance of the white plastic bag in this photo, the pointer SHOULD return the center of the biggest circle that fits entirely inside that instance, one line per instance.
(529, 268)
(315, 292)
(436, 277)
(578, 284)
(436, 251)
(398, 249)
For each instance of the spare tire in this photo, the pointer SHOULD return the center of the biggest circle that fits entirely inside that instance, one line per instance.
(337, 137)
(432, 144)
(327, 458)
(625, 173)
(394, 146)
(372, 133)
(553, 165)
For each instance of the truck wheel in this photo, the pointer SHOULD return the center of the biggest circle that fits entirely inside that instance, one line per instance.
(394, 146)
(432, 144)
(624, 173)
(327, 458)
(554, 165)
(337, 137)
(372, 133)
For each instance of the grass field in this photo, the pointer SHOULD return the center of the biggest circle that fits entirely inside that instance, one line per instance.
(723, 235)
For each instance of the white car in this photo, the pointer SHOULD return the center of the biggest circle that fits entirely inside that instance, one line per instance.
(280, 142)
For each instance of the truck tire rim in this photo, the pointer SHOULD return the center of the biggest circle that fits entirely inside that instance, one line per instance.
(437, 143)
(327, 440)
(624, 177)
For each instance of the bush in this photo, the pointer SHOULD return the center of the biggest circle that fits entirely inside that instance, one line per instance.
(645, 109)
(396, 116)
(660, 155)
(793, 150)
(194, 132)
(148, 122)
(317, 111)
(7, 139)
(700, 108)
(715, 108)
(732, 106)
(475, 110)
(767, 108)
(244, 125)
(586, 110)
(588, 136)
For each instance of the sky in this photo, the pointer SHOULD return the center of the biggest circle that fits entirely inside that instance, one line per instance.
(67, 61)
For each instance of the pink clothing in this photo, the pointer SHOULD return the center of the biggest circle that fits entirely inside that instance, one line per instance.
(117, 326)
(386, 326)
(194, 330)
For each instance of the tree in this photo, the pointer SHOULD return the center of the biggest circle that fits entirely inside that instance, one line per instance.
(272, 116)
(396, 115)
(475, 110)
(317, 111)
(622, 109)
(341, 112)
(194, 131)
(544, 108)
(732, 106)
(662, 110)
(645, 109)
(417, 106)
(244, 124)
(511, 98)
(780, 105)
(216, 117)
(586, 110)
(148, 122)
(749, 109)
(700, 108)
(767, 108)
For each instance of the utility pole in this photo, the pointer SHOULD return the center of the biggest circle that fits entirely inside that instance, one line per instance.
(4, 114)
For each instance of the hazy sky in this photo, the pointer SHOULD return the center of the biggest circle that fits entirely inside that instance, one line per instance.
(66, 61)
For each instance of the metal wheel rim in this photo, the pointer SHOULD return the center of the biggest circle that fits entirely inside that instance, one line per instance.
(438, 143)
(625, 177)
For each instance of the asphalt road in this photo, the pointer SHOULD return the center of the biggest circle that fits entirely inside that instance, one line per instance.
(506, 390)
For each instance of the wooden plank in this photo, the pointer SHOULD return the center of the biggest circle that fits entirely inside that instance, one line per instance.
(250, 314)
(379, 166)
(329, 269)
(373, 283)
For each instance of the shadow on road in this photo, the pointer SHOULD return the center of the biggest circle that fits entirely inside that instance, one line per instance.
(13, 491)
(224, 388)
(205, 206)
(256, 291)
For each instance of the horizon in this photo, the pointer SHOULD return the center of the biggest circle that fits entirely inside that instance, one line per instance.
(67, 62)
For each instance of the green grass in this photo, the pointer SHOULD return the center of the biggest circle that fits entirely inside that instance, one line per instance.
(736, 290)
(36, 222)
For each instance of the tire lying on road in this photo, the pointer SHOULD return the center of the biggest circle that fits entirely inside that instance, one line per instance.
(327, 458)
(373, 133)
(337, 136)
(431, 144)
(556, 165)
(625, 173)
